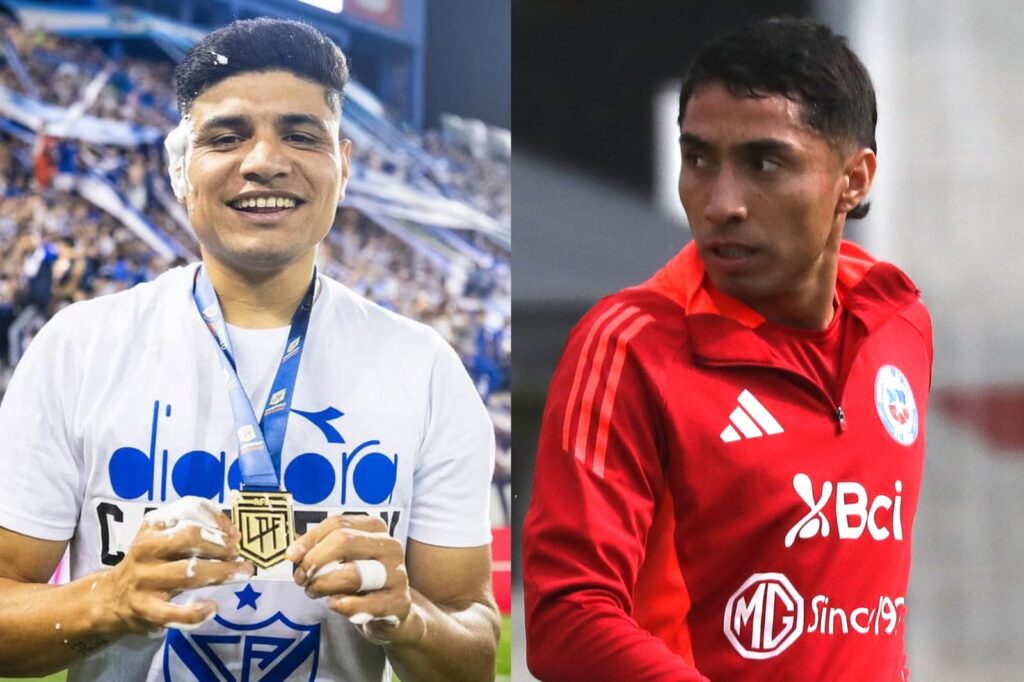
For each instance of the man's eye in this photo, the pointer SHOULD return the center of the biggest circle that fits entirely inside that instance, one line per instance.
(766, 165)
(694, 160)
(225, 140)
(300, 138)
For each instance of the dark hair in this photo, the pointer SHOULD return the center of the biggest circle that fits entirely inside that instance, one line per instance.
(260, 45)
(802, 60)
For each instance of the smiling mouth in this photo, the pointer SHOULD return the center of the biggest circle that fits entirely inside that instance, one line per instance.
(265, 204)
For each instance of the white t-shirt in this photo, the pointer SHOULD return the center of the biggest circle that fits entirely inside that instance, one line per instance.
(119, 406)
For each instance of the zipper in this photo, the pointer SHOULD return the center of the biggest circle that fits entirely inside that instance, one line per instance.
(840, 418)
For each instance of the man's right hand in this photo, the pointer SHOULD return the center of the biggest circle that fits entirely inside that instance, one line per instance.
(186, 545)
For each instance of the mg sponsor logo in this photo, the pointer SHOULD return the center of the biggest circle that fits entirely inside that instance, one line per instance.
(766, 615)
(855, 511)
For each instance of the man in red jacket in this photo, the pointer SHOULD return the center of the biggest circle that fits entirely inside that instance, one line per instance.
(731, 453)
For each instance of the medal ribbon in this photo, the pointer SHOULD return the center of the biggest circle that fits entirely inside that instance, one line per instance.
(259, 442)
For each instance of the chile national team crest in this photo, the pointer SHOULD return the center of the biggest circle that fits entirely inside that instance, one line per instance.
(895, 404)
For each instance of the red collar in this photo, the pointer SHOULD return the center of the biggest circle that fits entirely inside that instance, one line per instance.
(721, 327)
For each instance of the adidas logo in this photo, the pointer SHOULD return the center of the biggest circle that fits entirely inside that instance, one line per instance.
(751, 419)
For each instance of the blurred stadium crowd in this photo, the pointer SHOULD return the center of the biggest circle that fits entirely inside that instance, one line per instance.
(80, 219)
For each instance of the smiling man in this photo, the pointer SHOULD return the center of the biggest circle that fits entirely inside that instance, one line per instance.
(260, 474)
(731, 453)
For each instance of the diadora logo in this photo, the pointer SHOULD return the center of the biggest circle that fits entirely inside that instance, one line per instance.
(751, 418)
(367, 473)
(274, 649)
(766, 615)
(855, 511)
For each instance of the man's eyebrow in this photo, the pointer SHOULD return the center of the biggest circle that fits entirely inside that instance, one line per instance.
(768, 145)
(233, 122)
(292, 120)
(692, 140)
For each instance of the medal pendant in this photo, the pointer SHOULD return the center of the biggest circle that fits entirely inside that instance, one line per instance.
(267, 525)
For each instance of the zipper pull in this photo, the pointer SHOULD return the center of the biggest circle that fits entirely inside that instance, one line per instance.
(841, 418)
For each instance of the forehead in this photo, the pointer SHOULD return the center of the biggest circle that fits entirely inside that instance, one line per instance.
(717, 116)
(263, 96)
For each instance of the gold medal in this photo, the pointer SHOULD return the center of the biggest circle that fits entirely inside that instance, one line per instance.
(267, 525)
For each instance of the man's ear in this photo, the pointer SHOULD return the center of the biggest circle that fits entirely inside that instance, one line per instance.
(346, 154)
(859, 171)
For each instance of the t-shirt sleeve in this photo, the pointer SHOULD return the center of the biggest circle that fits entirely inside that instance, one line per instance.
(39, 458)
(452, 478)
(597, 479)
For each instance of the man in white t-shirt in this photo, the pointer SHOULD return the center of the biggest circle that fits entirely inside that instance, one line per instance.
(134, 419)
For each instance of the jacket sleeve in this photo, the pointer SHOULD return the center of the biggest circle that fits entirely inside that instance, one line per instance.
(597, 479)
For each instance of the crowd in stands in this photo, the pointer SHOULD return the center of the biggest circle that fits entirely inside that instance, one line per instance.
(59, 248)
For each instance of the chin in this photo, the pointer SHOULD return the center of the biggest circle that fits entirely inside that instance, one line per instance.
(261, 260)
(744, 289)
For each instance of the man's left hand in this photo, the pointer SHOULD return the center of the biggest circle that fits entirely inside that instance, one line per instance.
(326, 559)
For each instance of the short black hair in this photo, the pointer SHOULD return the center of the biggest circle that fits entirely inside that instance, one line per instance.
(804, 61)
(261, 45)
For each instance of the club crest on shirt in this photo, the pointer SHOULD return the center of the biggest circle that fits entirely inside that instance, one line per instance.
(274, 649)
(894, 401)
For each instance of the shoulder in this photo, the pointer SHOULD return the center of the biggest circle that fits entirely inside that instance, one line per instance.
(628, 341)
(645, 319)
(368, 323)
(114, 313)
(918, 316)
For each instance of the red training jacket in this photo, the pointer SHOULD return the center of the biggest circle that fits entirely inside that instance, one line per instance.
(702, 510)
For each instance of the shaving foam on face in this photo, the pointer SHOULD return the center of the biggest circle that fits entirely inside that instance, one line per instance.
(178, 144)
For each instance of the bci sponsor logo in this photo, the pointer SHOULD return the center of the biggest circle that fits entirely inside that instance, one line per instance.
(855, 511)
(366, 471)
(766, 615)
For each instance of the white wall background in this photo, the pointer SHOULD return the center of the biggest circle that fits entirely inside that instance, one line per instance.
(950, 81)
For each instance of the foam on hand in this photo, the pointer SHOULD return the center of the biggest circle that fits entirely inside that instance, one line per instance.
(190, 626)
(329, 567)
(363, 619)
(188, 511)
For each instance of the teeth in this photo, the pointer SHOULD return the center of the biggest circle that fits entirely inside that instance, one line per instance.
(265, 202)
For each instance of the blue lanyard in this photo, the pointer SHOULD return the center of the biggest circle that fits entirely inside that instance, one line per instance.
(259, 442)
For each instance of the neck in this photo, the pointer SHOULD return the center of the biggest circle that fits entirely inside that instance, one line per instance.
(814, 312)
(812, 305)
(259, 300)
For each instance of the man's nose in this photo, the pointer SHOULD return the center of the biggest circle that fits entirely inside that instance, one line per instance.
(726, 201)
(265, 161)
